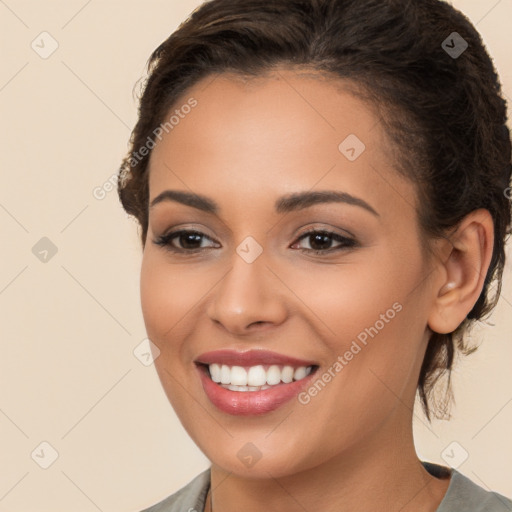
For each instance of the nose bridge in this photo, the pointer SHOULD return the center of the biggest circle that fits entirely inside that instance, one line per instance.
(247, 293)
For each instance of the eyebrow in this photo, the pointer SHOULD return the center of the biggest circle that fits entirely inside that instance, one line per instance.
(284, 204)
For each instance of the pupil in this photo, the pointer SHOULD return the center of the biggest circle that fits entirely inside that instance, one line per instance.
(190, 237)
(318, 239)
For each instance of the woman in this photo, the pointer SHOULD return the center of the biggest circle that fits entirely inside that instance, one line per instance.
(320, 186)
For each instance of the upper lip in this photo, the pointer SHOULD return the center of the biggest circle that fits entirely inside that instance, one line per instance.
(250, 358)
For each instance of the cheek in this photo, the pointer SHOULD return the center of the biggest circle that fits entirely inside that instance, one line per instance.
(168, 296)
(373, 314)
(347, 299)
(167, 300)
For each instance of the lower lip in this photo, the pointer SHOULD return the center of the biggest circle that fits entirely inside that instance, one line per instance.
(250, 403)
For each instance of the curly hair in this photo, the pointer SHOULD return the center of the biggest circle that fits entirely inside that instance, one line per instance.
(444, 112)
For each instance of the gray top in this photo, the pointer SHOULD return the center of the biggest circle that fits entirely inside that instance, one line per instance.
(462, 495)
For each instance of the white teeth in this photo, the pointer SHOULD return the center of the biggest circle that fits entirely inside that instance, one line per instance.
(257, 376)
(238, 376)
(287, 374)
(273, 375)
(225, 374)
(254, 378)
(215, 372)
(300, 373)
(244, 388)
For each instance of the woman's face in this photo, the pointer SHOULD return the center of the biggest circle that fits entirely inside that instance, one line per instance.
(249, 280)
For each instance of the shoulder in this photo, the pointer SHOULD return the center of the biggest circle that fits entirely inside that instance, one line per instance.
(464, 495)
(189, 498)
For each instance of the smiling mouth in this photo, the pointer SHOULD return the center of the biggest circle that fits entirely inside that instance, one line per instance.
(255, 378)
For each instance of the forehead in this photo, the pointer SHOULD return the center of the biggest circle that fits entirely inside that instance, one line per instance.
(272, 135)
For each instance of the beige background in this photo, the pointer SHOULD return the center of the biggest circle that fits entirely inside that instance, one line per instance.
(69, 326)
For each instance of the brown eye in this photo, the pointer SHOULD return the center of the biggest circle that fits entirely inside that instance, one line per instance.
(320, 241)
(187, 240)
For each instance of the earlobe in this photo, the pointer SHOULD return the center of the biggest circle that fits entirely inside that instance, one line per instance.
(463, 272)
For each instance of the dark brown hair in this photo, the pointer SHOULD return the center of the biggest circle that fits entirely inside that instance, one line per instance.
(444, 112)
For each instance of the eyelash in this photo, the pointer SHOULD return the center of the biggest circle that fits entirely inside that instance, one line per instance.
(165, 241)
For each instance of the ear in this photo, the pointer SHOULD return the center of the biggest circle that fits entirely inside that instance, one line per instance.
(463, 272)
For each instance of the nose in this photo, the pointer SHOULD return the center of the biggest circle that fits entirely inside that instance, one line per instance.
(248, 299)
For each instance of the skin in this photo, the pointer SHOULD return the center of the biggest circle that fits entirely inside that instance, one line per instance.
(244, 145)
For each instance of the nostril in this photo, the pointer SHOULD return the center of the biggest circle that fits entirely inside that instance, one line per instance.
(258, 324)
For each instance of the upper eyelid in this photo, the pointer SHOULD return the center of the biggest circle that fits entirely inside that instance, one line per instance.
(308, 232)
(313, 227)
